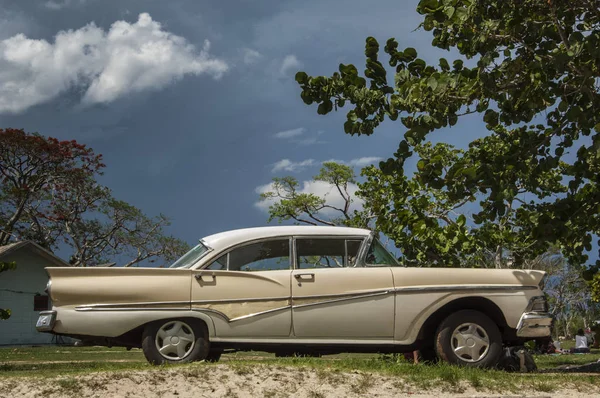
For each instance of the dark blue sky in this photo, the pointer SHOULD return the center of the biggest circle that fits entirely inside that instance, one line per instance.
(194, 135)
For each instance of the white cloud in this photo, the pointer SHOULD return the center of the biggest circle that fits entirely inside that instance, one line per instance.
(365, 161)
(104, 65)
(251, 56)
(358, 162)
(319, 188)
(288, 165)
(308, 141)
(58, 5)
(290, 63)
(290, 133)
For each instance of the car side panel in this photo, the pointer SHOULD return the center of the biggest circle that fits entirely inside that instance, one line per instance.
(345, 303)
(244, 304)
(115, 323)
(420, 292)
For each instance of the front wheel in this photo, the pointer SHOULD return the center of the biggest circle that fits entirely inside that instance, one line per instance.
(175, 341)
(469, 338)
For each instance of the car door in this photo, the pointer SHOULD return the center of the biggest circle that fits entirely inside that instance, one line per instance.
(246, 291)
(332, 298)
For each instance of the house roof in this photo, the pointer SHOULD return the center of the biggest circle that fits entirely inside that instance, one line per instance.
(34, 247)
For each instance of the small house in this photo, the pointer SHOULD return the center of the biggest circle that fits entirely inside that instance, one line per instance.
(22, 290)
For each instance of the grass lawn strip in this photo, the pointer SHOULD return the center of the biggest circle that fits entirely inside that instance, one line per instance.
(353, 374)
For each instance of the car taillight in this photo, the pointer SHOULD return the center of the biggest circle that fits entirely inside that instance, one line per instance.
(538, 304)
(543, 282)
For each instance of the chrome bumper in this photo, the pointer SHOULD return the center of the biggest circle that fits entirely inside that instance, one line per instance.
(535, 324)
(46, 320)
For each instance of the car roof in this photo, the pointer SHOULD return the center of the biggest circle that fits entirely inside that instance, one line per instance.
(227, 239)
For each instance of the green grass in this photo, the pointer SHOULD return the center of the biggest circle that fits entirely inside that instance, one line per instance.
(66, 362)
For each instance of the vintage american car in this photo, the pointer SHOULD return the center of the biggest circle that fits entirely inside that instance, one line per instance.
(297, 289)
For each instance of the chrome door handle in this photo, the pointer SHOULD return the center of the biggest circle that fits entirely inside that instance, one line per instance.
(200, 278)
(307, 276)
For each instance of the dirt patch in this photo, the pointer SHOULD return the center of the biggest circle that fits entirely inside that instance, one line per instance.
(242, 380)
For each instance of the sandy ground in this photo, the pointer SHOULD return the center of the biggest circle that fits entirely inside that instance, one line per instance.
(242, 381)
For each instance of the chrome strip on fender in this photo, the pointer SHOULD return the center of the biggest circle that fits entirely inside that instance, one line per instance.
(434, 289)
(150, 305)
(88, 309)
(350, 297)
(239, 318)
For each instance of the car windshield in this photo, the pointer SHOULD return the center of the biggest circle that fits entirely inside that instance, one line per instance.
(378, 255)
(191, 257)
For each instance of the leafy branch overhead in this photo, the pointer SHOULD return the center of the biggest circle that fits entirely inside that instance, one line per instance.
(287, 202)
(530, 71)
(49, 194)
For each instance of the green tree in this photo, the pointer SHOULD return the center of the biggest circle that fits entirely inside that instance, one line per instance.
(49, 194)
(530, 70)
(289, 203)
(4, 266)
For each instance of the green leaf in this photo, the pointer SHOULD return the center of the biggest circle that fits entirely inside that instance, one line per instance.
(432, 83)
(410, 54)
(491, 117)
(325, 107)
(444, 64)
(302, 77)
(563, 106)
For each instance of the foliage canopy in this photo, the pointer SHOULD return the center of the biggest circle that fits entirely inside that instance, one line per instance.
(49, 194)
(530, 70)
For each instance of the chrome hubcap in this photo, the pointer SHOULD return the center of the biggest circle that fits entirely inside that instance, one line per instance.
(175, 340)
(470, 342)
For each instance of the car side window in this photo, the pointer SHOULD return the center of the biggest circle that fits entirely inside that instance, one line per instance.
(262, 256)
(219, 264)
(326, 253)
(377, 255)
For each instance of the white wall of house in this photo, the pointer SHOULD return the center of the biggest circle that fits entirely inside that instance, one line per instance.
(29, 277)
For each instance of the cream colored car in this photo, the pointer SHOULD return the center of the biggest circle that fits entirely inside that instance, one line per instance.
(297, 289)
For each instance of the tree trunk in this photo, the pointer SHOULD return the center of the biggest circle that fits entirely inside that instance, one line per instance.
(7, 230)
(498, 257)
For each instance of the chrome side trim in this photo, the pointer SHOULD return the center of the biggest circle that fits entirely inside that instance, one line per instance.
(240, 300)
(239, 318)
(343, 296)
(211, 310)
(434, 289)
(367, 292)
(89, 309)
(353, 297)
(149, 304)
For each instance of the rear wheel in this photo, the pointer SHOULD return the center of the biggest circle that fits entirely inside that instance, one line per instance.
(175, 341)
(469, 338)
